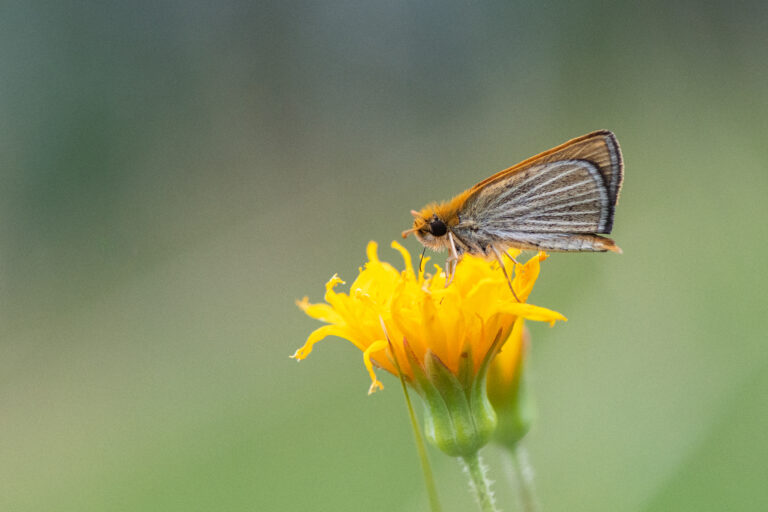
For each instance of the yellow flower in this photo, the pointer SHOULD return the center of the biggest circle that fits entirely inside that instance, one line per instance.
(441, 338)
(421, 314)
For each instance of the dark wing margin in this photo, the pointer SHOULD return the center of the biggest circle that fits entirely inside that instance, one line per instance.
(601, 149)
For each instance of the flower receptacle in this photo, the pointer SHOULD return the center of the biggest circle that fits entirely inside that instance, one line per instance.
(459, 418)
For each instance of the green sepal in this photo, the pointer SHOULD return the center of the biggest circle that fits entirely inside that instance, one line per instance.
(437, 416)
(484, 413)
(453, 427)
(466, 367)
(420, 381)
(459, 418)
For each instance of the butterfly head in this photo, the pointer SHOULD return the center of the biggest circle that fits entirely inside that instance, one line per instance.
(429, 228)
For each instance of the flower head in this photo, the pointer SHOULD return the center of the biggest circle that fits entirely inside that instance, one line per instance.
(441, 338)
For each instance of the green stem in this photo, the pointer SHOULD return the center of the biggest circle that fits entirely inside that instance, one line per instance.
(521, 475)
(429, 479)
(479, 483)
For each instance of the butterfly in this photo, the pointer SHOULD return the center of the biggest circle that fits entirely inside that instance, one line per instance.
(560, 200)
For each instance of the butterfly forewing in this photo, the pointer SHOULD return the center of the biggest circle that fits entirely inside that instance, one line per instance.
(600, 148)
(572, 188)
(559, 197)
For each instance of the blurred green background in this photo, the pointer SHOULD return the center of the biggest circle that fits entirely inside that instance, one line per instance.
(175, 174)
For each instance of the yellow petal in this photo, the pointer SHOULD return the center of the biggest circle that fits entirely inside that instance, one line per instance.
(333, 281)
(317, 335)
(511, 351)
(531, 312)
(526, 275)
(323, 312)
(423, 269)
(374, 347)
(371, 251)
(406, 258)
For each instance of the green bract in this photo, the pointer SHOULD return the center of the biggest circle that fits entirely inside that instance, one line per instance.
(459, 418)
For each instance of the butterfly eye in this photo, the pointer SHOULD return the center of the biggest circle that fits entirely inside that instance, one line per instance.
(437, 227)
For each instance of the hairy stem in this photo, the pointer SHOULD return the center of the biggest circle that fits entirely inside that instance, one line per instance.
(479, 482)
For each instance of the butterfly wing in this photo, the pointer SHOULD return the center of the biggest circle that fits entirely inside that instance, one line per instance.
(572, 188)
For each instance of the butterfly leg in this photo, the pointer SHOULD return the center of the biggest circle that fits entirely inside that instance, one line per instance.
(450, 270)
(503, 269)
(451, 262)
(511, 257)
(514, 267)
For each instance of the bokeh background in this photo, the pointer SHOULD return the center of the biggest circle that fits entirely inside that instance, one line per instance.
(173, 175)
